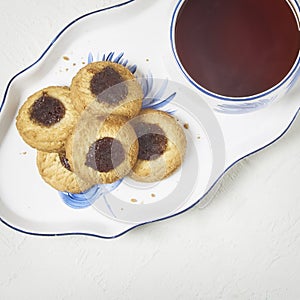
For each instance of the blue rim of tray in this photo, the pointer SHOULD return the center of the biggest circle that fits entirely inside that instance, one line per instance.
(137, 225)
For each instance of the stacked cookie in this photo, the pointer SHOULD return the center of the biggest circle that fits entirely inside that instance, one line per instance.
(95, 132)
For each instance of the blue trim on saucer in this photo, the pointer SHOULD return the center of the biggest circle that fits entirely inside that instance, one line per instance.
(137, 225)
(195, 84)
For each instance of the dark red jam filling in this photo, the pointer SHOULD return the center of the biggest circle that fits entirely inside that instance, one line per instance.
(105, 154)
(64, 161)
(109, 86)
(152, 140)
(47, 110)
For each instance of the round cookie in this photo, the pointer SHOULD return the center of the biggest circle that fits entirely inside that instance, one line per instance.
(47, 118)
(55, 170)
(106, 88)
(162, 145)
(102, 149)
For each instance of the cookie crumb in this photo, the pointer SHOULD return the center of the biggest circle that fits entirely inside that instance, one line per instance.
(198, 137)
(186, 125)
(66, 58)
(74, 64)
(83, 62)
(133, 200)
(23, 153)
(147, 59)
(153, 195)
(67, 69)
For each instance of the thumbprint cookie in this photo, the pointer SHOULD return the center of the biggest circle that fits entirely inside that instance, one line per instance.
(102, 149)
(162, 145)
(55, 169)
(47, 118)
(107, 88)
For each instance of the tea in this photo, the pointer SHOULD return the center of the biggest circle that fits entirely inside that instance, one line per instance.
(237, 48)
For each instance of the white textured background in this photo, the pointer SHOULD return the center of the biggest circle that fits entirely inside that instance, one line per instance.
(244, 245)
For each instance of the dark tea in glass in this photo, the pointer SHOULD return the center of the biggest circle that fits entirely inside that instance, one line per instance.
(237, 48)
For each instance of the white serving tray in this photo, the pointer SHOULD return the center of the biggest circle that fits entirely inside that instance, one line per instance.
(216, 141)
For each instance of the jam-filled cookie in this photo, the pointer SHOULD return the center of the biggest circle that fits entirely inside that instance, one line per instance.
(162, 145)
(102, 149)
(47, 118)
(56, 171)
(107, 88)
